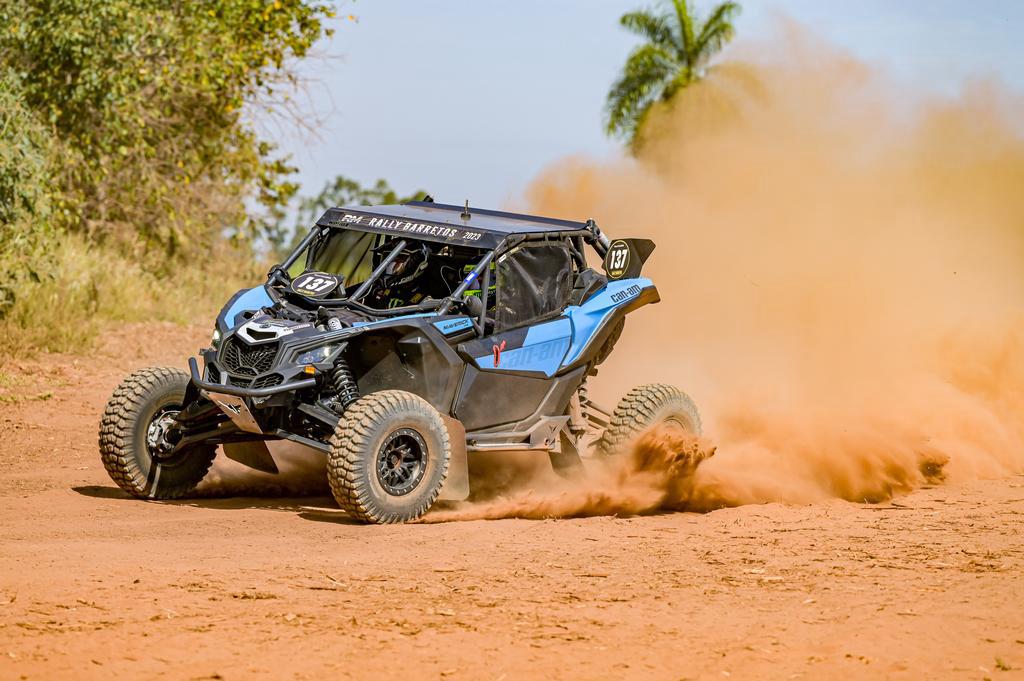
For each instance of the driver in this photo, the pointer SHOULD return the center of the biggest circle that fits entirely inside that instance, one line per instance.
(401, 283)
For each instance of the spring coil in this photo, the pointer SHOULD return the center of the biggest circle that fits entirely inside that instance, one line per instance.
(344, 383)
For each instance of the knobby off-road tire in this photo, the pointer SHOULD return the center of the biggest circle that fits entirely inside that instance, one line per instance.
(644, 407)
(388, 458)
(147, 397)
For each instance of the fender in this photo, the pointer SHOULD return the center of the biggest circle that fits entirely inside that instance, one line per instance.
(243, 301)
(594, 320)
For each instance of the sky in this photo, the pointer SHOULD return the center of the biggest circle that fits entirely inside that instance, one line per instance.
(471, 99)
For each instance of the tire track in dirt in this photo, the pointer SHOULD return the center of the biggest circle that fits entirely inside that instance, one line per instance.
(95, 585)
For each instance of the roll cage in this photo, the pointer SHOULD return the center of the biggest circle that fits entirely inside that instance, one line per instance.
(499, 234)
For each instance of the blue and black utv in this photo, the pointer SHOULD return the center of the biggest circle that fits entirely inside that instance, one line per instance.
(398, 340)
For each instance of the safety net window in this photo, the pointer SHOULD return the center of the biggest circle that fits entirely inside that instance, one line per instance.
(534, 281)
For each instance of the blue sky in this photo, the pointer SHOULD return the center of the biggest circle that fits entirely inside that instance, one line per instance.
(472, 98)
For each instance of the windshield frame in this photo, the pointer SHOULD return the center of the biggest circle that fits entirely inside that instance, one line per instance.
(279, 275)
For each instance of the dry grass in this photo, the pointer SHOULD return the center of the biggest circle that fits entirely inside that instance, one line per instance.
(90, 287)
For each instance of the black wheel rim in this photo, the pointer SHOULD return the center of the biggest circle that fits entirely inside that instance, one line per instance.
(162, 433)
(401, 462)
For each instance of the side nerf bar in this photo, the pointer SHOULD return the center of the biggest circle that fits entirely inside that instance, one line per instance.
(197, 379)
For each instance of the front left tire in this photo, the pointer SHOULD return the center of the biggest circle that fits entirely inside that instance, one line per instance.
(138, 433)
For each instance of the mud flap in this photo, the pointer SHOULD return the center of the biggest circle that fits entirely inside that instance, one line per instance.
(456, 486)
(566, 459)
(273, 456)
(252, 454)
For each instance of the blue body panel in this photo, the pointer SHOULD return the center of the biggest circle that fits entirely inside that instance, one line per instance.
(547, 348)
(542, 350)
(243, 301)
(589, 317)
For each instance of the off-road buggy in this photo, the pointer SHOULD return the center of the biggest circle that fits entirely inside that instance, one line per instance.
(395, 340)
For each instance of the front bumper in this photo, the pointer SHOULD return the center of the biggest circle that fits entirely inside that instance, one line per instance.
(238, 391)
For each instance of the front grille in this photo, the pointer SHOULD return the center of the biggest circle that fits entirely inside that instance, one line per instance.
(244, 361)
(266, 381)
(212, 373)
(261, 382)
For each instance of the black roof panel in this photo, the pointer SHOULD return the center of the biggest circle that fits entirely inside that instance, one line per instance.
(444, 223)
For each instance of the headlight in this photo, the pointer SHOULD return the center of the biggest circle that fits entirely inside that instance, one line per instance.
(317, 355)
(215, 341)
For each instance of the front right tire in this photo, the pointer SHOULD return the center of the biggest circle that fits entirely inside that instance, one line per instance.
(137, 437)
(388, 457)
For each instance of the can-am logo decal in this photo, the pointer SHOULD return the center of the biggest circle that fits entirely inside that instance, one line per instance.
(626, 294)
(536, 357)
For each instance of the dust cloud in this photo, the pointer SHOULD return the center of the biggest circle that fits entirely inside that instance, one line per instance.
(841, 265)
(655, 474)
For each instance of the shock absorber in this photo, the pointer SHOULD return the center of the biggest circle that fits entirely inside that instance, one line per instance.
(344, 383)
(577, 421)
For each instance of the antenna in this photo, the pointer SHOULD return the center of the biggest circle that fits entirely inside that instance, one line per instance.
(465, 211)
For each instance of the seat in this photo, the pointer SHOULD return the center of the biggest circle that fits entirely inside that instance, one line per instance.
(586, 283)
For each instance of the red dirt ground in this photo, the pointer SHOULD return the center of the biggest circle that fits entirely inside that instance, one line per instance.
(96, 585)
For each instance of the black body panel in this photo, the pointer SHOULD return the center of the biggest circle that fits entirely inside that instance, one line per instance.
(410, 355)
(489, 400)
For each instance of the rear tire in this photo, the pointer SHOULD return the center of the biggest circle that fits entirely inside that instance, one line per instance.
(644, 407)
(134, 431)
(388, 458)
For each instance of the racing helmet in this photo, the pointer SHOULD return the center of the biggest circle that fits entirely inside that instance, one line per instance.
(407, 266)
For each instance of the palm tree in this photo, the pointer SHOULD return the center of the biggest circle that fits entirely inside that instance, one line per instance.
(675, 55)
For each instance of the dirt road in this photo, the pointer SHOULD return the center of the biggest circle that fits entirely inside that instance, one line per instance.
(95, 585)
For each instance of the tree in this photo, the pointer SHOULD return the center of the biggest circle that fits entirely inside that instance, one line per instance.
(147, 103)
(676, 53)
(26, 163)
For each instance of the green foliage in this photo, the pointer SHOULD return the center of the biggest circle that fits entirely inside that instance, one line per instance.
(676, 53)
(341, 191)
(146, 99)
(128, 152)
(26, 156)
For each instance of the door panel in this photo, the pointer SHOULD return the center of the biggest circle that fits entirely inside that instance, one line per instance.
(535, 350)
(490, 398)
